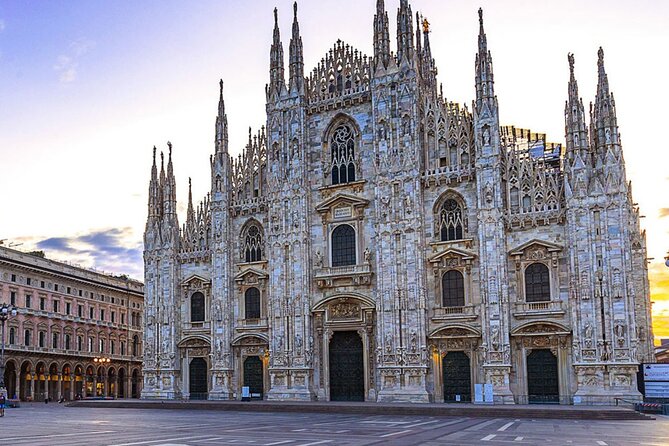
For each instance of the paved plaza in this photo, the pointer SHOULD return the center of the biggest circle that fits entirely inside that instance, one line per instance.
(53, 424)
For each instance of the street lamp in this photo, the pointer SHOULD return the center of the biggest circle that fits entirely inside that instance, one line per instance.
(5, 312)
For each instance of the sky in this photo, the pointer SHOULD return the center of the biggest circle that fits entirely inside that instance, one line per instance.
(88, 87)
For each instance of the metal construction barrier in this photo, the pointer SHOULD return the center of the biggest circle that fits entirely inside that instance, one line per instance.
(652, 408)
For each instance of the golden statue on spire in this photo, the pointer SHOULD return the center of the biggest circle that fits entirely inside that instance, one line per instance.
(426, 25)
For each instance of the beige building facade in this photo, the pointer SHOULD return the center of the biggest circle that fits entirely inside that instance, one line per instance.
(77, 334)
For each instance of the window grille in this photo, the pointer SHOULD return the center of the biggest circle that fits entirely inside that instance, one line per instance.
(197, 307)
(342, 151)
(253, 244)
(343, 246)
(537, 283)
(252, 303)
(450, 224)
(453, 289)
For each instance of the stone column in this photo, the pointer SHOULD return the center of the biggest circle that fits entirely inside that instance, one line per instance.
(60, 386)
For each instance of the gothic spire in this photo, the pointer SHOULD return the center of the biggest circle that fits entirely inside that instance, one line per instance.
(405, 46)
(190, 213)
(484, 77)
(381, 36)
(169, 187)
(154, 187)
(603, 80)
(296, 57)
(604, 124)
(576, 132)
(277, 82)
(221, 123)
(429, 69)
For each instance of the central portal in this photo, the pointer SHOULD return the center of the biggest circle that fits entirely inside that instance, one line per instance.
(542, 377)
(253, 376)
(347, 374)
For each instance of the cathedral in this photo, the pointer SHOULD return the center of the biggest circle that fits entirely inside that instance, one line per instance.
(377, 242)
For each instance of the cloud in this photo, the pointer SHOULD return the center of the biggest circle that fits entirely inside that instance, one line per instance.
(114, 250)
(664, 212)
(67, 64)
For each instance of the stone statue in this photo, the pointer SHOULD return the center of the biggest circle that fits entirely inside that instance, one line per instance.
(368, 255)
(319, 259)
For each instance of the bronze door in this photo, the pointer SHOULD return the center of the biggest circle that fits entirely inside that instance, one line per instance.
(457, 377)
(197, 379)
(253, 376)
(542, 377)
(347, 374)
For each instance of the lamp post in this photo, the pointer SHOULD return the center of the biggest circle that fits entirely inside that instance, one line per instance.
(5, 312)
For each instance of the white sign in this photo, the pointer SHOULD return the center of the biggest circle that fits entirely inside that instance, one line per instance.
(478, 393)
(457, 398)
(656, 372)
(487, 393)
(246, 393)
(657, 389)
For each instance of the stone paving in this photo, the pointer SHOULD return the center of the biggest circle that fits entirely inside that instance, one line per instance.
(41, 425)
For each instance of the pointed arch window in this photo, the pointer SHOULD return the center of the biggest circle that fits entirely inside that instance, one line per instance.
(342, 154)
(343, 246)
(12, 336)
(253, 244)
(252, 303)
(537, 283)
(452, 289)
(197, 307)
(450, 221)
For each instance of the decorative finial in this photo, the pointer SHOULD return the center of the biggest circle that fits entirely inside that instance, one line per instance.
(295, 9)
(570, 58)
(426, 26)
(154, 154)
(481, 16)
(600, 55)
(169, 145)
(189, 184)
(220, 84)
(276, 17)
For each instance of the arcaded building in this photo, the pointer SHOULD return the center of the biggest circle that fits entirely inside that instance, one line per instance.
(77, 334)
(375, 241)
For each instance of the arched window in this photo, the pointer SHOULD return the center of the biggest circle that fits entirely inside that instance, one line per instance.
(197, 307)
(67, 342)
(252, 303)
(343, 246)
(450, 223)
(452, 289)
(135, 345)
(253, 244)
(342, 154)
(537, 283)
(12, 336)
(26, 338)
